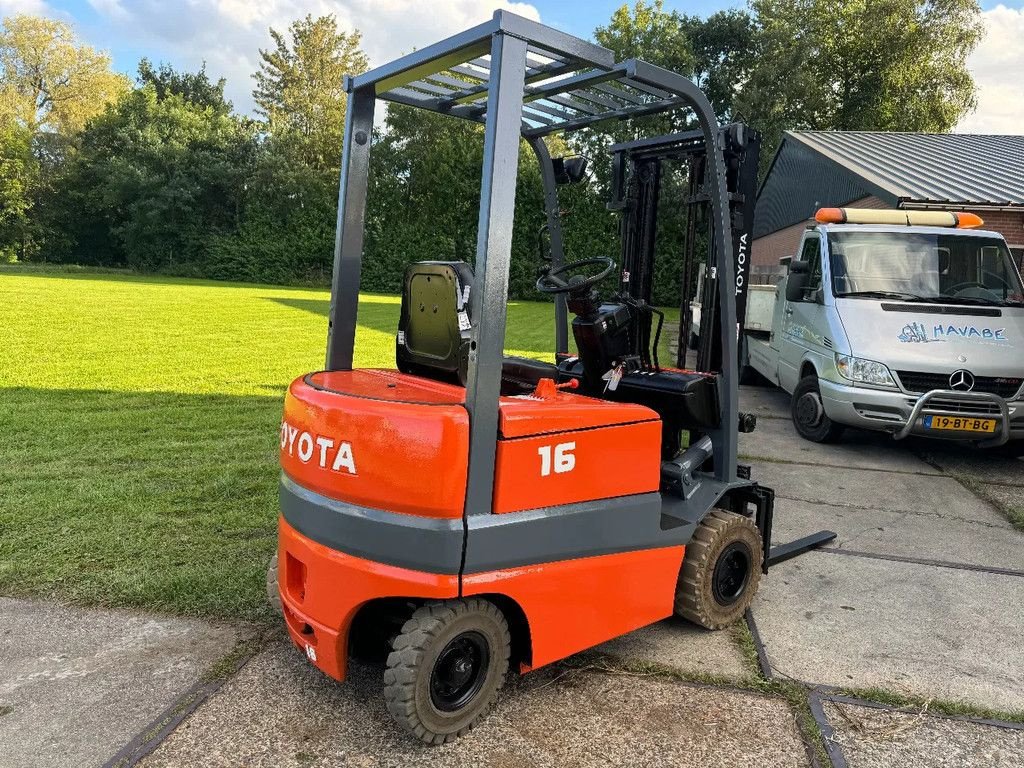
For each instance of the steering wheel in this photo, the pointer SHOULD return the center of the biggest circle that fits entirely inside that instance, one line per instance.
(978, 288)
(552, 281)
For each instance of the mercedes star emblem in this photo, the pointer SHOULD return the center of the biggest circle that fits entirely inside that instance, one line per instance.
(961, 381)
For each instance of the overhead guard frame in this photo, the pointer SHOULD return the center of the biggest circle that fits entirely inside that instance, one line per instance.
(522, 80)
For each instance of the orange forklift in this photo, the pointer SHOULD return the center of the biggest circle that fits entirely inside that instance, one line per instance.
(469, 512)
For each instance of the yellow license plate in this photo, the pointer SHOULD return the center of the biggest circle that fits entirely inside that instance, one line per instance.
(959, 424)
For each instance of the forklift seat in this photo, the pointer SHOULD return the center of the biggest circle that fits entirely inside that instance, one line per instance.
(434, 329)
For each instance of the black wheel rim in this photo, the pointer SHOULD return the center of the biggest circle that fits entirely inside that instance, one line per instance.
(459, 672)
(809, 410)
(732, 573)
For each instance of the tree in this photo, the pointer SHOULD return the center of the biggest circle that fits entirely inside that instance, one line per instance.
(887, 65)
(300, 89)
(194, 87)
(722, 47)
(49, 81)
(17, 167)
(650, 33)
(153, 183)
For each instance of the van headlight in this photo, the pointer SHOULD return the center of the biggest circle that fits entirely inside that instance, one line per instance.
(862, 371)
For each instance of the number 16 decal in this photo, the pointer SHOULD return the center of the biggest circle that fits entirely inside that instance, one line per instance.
(564, 460)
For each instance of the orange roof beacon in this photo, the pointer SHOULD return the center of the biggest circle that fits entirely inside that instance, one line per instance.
(468, 512)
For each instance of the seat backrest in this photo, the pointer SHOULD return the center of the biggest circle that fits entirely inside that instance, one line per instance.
(433, 330)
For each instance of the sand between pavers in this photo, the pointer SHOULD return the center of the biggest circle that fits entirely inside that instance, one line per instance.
(279, 711)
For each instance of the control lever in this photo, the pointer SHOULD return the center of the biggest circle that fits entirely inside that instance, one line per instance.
(546, 388)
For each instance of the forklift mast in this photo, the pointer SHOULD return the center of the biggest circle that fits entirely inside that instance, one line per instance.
(637, 173)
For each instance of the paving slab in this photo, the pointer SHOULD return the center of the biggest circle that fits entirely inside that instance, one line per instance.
(279, 711)
(777, 440)
(875, 738)
(916, 629)
(78, 684)
(967, 461)
(902, 534)
(683, 647)
(766, 401)
(932, 496)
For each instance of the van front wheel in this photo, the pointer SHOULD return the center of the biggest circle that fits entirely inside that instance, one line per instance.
(809, 415)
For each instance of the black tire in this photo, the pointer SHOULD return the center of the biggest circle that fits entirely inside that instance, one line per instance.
(446, 668)
(272, 594)
(747, 374)
(721, 570)
(809, 415)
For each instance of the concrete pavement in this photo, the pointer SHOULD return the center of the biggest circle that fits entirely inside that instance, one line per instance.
(923, 591)
(77, 684)
(279, 711)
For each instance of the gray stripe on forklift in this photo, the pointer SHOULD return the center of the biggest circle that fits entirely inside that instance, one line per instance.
(550, 534)
(429, 544)
(924, 561)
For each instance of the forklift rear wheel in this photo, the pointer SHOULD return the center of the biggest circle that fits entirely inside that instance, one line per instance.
(272, 592)
(809, 415)
(446, 667)
(721, 570)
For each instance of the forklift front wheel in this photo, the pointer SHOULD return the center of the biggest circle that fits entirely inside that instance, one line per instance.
(446, 667)
(721, 570)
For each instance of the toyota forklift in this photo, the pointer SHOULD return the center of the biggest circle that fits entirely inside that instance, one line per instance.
(468, 512)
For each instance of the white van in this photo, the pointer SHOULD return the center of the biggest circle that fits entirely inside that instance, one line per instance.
(907, 328)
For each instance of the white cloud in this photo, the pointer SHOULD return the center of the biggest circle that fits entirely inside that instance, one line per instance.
(998, 68)
(227, 34)
(14, 7)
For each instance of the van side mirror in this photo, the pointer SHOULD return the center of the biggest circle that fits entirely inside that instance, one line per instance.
(799, 274)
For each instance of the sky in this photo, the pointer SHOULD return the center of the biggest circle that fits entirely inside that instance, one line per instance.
(227, 35)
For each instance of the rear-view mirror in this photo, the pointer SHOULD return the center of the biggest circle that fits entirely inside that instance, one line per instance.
(797, 282)
(569, 170)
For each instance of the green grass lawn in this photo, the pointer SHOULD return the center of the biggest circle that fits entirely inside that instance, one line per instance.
(138, 420)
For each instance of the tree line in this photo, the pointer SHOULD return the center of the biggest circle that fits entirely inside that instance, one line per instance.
(161, 174)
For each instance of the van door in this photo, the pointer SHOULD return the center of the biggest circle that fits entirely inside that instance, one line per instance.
(802, 321)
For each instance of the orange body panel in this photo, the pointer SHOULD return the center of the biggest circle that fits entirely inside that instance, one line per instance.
(400, 443)
(322, 589)
(573, 605)
(561, 411)
(378, 439)
(607, 462)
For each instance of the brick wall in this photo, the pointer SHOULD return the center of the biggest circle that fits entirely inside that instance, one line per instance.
(1010, 224)
(766, 251)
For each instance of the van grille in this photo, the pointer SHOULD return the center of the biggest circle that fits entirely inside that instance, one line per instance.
(974, 407)
(914, 381)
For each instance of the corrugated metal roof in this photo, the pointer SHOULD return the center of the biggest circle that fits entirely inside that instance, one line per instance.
(956, 168)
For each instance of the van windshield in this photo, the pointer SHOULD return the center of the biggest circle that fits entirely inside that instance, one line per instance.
(941, 268)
